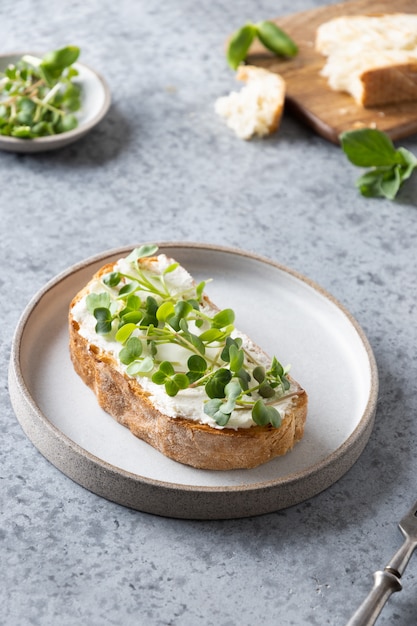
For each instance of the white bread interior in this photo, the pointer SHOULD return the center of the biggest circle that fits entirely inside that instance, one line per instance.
(373, 58)
(184, 440)
(256, 109)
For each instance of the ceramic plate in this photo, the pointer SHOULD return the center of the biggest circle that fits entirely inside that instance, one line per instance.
(95, 104)
(282, 311)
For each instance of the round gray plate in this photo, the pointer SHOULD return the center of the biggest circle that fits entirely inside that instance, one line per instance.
(95, 102)
(282, 311)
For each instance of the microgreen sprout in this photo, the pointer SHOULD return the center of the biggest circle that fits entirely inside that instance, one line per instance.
(144, 310)
(38, 96)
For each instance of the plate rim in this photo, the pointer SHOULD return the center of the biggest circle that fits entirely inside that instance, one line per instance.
(68, 136)
(20, 393)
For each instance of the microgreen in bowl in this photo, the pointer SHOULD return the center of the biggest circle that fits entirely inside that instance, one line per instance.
(38, 96)
(268, 33)
(140, 311)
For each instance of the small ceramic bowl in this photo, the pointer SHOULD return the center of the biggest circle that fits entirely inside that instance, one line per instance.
(95, 100)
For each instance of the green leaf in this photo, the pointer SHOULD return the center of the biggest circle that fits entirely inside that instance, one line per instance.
(212, 335)
(97, 300)
(128, 289)
(140, 368)
(215, 386)
(236, 358)
(225, 355)
(124, 332)
(104, 319)
(369, 147)
(165, 311)
(131, 351)
(212, 409)
(197, 364)
(67, 123)
(233, 391)
(112, 279)
(176, 383)
(170, 268)
(223, 318)
(276, 40)
(259, 373)
(200, 290)
(266, 391)
(60, 59)
(239, 45)
(167, 368)
(144, 251)
(263, 415)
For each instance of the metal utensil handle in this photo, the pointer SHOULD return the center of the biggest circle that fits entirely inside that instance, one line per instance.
(401, 558)
(385, 583)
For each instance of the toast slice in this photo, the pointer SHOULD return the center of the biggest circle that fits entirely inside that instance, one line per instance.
(166, 363)
(371, 57)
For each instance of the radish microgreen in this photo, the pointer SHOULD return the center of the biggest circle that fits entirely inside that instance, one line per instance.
(145, 310)
(38, 96)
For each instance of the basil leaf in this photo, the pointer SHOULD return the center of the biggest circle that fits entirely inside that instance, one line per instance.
(369, 147)
(276, 39)
(239, 44)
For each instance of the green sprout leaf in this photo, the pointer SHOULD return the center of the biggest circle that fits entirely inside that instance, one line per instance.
(212, 409)
(165, 311)
(369, 147)
(141, 368)
(215, 386)
(223, 318)
(97, 300)
(197, 367)
(263, 415)
(112, 279)
(132, 351)
(237, 358)
(124, 332)
(166, 376)
(144, 251)
(104, 320)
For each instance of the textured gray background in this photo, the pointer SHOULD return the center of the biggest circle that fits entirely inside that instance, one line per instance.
(162, 166)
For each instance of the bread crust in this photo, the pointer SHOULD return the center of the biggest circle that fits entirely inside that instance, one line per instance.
(372, 57)
(389, 85)
(183, 440)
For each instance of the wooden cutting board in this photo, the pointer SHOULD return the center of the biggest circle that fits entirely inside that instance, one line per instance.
(308, 96)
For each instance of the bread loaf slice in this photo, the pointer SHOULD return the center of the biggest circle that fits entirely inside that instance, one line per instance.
(179, 424)
(373, 58)
(256, 109)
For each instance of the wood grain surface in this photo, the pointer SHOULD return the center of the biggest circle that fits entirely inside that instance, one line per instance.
(308, 96)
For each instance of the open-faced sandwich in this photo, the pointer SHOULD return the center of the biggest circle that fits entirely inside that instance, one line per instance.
(165, 362)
